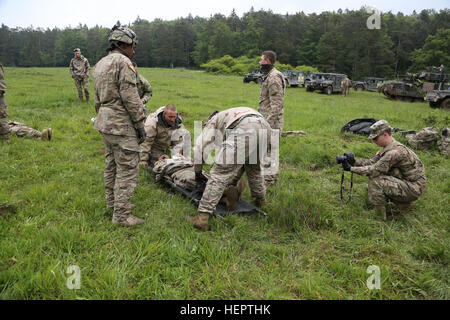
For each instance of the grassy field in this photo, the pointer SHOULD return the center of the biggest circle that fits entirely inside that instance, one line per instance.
(311, 246)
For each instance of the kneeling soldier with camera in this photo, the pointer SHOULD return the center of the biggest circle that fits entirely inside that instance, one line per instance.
(395, 172)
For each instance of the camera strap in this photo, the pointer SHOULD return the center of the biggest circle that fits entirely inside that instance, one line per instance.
(342, 188)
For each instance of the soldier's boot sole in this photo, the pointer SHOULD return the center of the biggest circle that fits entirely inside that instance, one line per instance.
(200, 221)
(128, 222)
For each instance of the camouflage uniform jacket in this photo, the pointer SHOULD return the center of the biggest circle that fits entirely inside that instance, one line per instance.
(222, 121)
(394, 160)
(79, 68)
(2, 81)
(144, 88)
(271, 98)
(120, 111)
(159, 136)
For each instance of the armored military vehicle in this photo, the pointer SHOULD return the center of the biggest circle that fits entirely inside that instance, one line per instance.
(310, 80)
(439, 98)
(368, 83)
(413, 87)
(255, 76)
(325, 82)
(293, 77)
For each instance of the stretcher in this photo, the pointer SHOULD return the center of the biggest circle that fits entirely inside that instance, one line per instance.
(195, 196)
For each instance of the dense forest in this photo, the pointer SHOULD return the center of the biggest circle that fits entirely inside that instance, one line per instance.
(330, 41)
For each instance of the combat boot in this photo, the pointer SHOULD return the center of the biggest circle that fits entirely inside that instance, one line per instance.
(381, 210)
(128, 222)
(259, 202)
(403, 207)
(200, 221)
(47, 134)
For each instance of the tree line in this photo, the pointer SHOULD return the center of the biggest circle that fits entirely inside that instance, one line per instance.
(330, 41)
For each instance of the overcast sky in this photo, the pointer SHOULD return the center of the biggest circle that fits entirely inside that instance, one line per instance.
(61, 14)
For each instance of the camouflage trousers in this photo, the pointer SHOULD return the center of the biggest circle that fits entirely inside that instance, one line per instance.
(82, 84)
(345, 90)
(22, 130)
(121, 173)
(222, 172)
(384, 188)
(4, 128)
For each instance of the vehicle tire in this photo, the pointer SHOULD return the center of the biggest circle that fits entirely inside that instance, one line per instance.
(434, 105)
(446, 104)
(258, 81)
(359, 88)
(329, 90)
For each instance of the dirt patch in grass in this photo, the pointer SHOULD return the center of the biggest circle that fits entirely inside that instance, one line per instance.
(6, 209)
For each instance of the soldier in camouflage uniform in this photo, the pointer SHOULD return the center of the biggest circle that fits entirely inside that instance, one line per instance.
(21, 130)
(271, 98)
(4, 128)
(233, 125)
(346, 84)
(395, 172)
(120, 120)
(165, 132)
(79, 70)
(144, 88)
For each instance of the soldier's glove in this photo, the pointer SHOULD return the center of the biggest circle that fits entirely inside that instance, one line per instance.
(350, 158)
(141, 134)
(346, 166)
(200, 178)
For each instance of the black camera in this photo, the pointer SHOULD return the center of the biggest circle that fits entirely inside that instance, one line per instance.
(347, 157)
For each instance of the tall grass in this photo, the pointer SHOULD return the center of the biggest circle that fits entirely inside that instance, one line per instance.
(311, 246)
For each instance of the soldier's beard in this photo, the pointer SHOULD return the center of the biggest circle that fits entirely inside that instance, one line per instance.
(265, 68)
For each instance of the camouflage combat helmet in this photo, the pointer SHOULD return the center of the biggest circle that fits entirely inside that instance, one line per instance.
(378, 128)
(122, 34)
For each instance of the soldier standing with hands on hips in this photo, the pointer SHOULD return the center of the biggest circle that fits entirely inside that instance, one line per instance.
(120, 120)
(79, 70)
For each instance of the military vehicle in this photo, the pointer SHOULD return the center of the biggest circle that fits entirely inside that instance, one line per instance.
(413, 87)
(439, 98)
(310, 80)
(368, 83)
(255, 76)
(293, 77)
(325, 82)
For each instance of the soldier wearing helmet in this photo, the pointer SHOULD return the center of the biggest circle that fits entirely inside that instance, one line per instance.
(120, 120)
(395, 173)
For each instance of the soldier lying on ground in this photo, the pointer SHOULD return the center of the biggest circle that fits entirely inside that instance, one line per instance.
(395, 172)
(180, 171)
(21, 130)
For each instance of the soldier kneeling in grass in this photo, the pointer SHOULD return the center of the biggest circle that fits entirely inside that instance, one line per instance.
(395, 172)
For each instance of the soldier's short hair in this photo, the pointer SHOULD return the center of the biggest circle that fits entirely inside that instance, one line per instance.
(170, 107)
(271, 55)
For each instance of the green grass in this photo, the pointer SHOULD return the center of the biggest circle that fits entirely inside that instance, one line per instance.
(312, 246)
